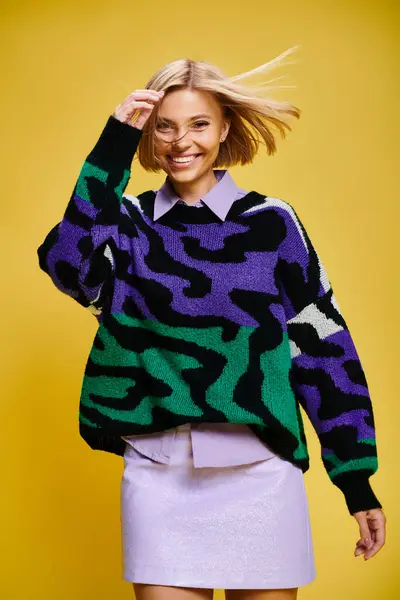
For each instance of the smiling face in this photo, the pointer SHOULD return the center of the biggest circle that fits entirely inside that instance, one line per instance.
(189, 126)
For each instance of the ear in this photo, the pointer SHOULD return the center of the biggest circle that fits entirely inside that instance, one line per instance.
(225, 128)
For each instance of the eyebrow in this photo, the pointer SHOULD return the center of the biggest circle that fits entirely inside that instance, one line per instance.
(201, 115)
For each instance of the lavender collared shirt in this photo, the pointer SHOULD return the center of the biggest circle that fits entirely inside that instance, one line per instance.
(214, 444)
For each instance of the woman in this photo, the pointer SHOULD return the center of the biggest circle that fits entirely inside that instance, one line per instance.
(216, 322)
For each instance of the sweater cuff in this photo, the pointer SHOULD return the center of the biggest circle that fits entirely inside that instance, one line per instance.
(357, 491)
(117, 144)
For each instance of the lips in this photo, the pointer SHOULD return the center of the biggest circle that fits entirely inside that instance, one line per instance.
(182, 156)
(181, 165)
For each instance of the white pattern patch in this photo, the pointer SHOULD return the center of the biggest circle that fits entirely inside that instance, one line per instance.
(108, 254)
(132, 199)
(92, 309)
(323, 277)
(321, 323)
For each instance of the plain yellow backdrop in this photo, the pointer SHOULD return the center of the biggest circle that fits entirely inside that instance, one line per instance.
(65, 67)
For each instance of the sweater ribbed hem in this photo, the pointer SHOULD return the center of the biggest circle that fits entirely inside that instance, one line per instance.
(357, 491)
(113, 444)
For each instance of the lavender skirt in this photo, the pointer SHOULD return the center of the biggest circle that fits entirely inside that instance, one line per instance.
(241, 527)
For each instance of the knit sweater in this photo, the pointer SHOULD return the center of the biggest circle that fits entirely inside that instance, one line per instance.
(212, 444)
(208, 320)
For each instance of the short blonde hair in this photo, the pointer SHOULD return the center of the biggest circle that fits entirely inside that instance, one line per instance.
(244, 106)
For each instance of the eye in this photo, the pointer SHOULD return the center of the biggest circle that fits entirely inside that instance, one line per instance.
(162, 125)
(200, 124)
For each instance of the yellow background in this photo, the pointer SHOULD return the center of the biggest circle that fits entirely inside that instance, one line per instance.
(65, 67)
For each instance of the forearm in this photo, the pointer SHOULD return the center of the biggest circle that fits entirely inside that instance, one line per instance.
(74, 253)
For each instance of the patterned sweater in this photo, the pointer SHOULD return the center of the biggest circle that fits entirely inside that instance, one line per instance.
(203, 320)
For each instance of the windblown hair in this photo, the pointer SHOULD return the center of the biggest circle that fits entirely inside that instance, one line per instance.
(252, 116)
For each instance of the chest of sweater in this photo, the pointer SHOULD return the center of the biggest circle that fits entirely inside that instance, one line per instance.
(180, 272)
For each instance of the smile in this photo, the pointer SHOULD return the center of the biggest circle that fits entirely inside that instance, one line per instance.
(182, 161)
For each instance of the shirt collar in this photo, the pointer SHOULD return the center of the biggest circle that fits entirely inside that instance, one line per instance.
(219, 199)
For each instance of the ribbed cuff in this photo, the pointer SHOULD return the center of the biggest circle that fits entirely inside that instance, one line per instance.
(117, 144)
(357, 491)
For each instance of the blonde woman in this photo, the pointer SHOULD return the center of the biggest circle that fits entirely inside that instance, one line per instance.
(217, 321)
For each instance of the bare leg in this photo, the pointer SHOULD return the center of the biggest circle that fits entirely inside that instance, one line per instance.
(285, 594)
(144, 591)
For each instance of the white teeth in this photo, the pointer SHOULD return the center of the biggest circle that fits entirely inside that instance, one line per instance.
(184, 159)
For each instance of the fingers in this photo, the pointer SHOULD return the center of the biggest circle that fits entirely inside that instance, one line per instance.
(126, 113)
(363, 525)
(139, 102)
(146, 94)
(362, 546)
(372, 531)
(378, 540)
(142, 95)
(133, 105)
(364, 542)
(375, 547)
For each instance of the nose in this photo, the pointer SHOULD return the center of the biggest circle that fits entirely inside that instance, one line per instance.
(181, 143)
(181, 136)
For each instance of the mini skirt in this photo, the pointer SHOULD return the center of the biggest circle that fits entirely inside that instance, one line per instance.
(236, 527)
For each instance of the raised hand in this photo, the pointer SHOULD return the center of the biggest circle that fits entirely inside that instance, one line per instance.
(139, 100)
